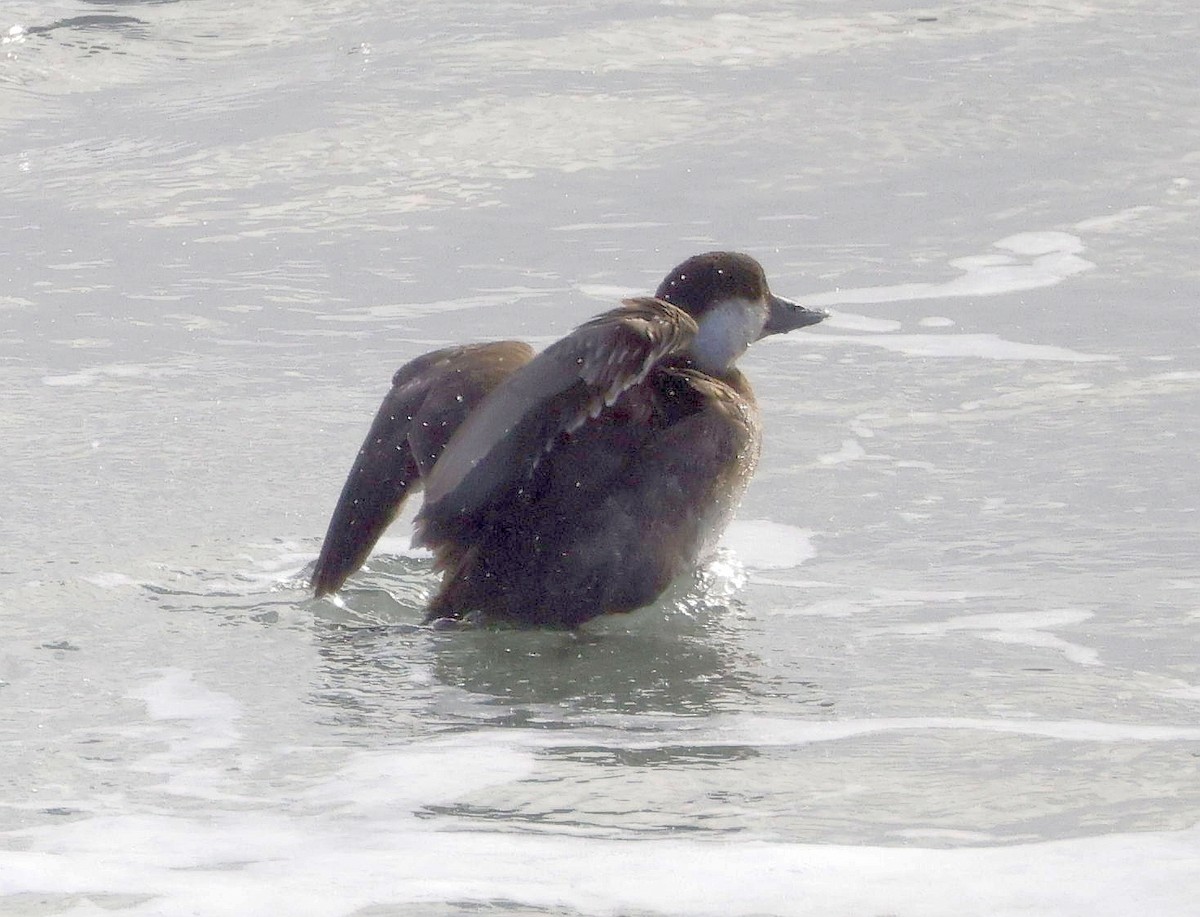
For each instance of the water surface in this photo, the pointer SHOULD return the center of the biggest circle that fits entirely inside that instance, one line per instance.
(947, 662)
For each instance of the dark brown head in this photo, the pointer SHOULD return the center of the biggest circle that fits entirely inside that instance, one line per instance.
(727, 294)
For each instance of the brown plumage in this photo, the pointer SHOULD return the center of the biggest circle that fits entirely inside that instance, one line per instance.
(581, 481)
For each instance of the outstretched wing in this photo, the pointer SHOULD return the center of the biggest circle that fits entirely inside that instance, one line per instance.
(499, 445)
(428, 402)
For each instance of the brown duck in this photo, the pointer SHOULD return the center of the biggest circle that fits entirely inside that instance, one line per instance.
(583, 480)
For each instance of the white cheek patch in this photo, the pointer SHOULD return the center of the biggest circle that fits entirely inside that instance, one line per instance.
(726, 330)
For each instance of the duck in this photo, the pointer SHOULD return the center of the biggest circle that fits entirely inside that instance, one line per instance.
(579, 481)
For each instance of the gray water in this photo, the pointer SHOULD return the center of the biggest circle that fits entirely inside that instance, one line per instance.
(947, 661)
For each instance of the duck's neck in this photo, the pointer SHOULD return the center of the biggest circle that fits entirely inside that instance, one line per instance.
(725, 331)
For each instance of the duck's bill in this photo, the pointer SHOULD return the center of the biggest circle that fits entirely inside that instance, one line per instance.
(786, 315)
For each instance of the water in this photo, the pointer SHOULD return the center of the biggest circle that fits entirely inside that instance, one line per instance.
(947, 663)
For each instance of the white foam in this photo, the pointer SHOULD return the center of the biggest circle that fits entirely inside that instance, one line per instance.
(110, 579)
(608, 292)
(175, 695)
(849, 321)
(283, 566)
(1029, 260)
(421, 774)
(984, 346)
(386, 312)
(260, 861)
(1019, 628)
(94, 374)
(1179, 376)
(1185, 692)
(1042, 243)
(782, 732)
(764, 545)
(379, 829)
(763, 38)
(925, 596)
(1111, 221)
(1038, 259)
(606, 227)
(851, 451)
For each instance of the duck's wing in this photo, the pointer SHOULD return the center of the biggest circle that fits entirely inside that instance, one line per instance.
(497, 448)
(429, 399)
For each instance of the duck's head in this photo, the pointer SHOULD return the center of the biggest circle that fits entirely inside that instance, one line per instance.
(727, 294)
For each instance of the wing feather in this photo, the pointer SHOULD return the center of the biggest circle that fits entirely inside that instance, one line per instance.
(428, 401)
(499, 446)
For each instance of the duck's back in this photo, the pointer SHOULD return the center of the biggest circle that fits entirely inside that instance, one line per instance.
(613, 509)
